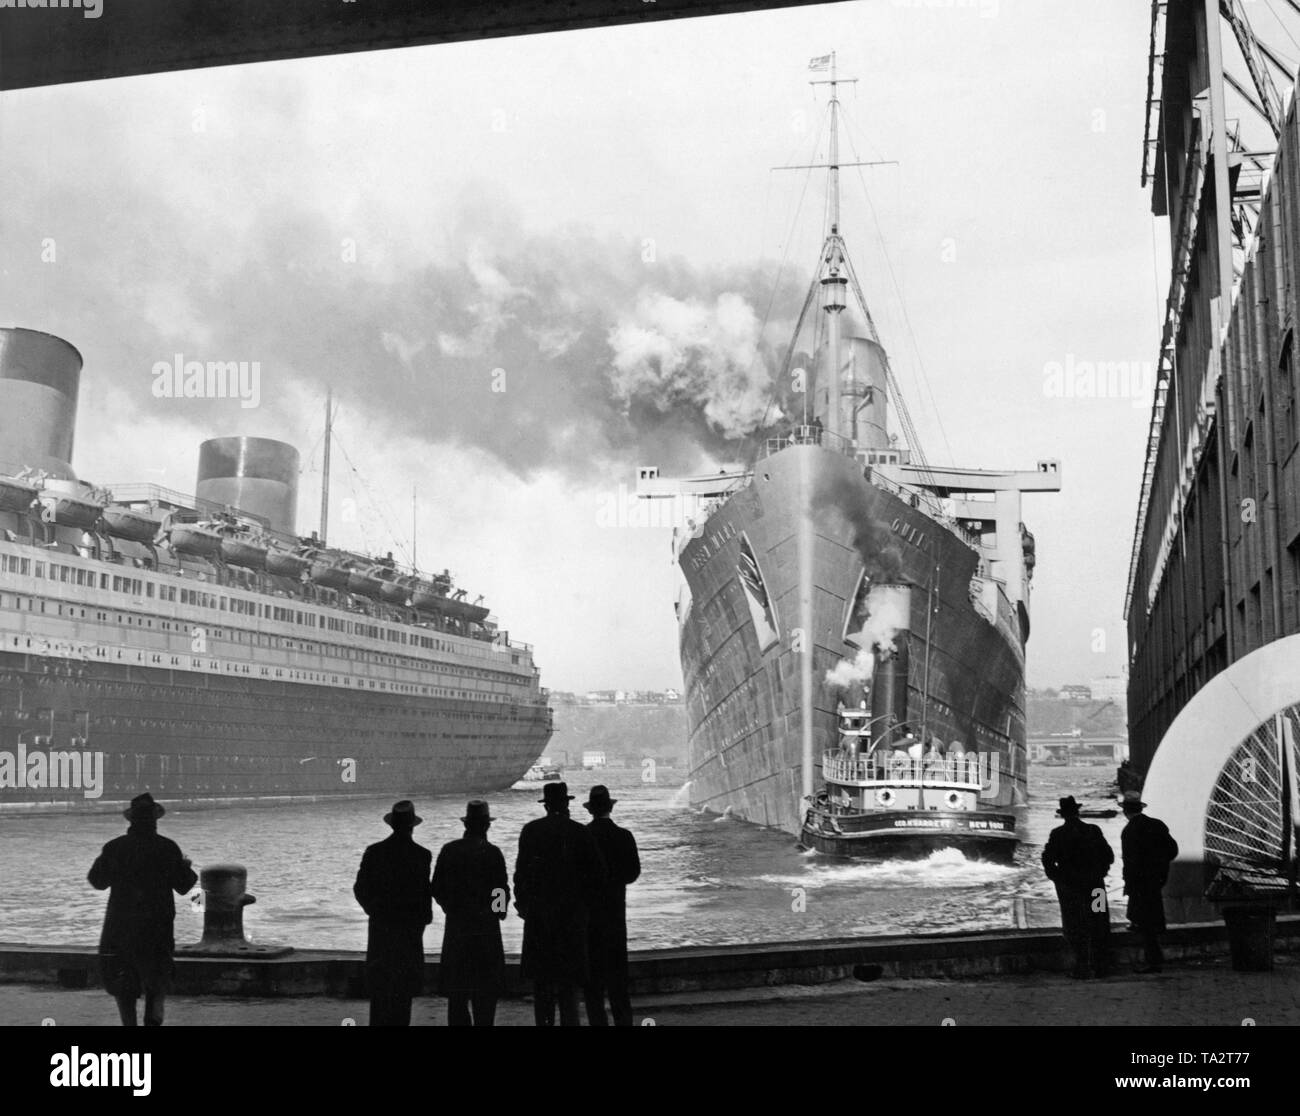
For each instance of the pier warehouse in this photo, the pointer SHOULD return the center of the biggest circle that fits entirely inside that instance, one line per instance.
(1215, 570)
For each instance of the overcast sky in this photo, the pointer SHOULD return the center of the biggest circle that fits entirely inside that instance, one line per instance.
(588, 220)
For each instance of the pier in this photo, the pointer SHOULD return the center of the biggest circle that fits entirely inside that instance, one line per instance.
(980, 979)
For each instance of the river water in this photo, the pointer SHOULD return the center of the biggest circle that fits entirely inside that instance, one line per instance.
(705, 880)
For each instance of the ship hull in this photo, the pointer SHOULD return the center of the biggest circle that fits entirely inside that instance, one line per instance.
(202, 739)
(814, 525)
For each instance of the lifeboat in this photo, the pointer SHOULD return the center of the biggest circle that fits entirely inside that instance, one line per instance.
(428, 596)
(328, 570)
(200, 539)
(362, 580)
(285, 563)
(17, 493)
(242, 547)
(463, 610)
(132, 524)
(71, 503)
(394, 588)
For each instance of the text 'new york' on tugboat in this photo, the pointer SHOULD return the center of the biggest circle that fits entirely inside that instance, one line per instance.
(893, 792)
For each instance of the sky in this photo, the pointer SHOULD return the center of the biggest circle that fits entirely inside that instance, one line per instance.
(528, 266)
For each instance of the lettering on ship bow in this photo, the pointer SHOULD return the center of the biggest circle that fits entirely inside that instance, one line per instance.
(711, 545)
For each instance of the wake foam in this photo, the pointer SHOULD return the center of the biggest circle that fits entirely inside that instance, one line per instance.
(943, 868)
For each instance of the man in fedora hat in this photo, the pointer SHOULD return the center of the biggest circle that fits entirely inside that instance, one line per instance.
(607, 929)
(393, 889)
(142, 868)
(558, 873)
(1148, 849)
(469, 884)
(1075, 859)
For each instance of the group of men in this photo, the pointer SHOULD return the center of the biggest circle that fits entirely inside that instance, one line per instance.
(1076, 859)
(569, 888)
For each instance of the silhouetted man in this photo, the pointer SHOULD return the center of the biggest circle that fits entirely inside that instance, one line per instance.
(469, 884)
(1148, 849)
(1075, 859)
(143, 869)
(393, 889)
(607, 927)
(557, 874)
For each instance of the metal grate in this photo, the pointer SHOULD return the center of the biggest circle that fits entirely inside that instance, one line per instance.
(1243, 823)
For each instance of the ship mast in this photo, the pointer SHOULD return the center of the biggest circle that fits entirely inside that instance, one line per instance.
(834, 283)
(325, 466)
(834, 271)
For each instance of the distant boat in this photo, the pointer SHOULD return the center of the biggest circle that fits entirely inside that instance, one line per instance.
(539, 775)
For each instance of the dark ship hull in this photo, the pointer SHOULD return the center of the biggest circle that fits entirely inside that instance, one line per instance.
(200, 738)
(741, 660)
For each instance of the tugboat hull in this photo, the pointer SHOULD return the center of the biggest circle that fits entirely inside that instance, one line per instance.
(892, 834)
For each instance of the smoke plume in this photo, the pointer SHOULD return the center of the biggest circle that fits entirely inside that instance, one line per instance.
(887, 610)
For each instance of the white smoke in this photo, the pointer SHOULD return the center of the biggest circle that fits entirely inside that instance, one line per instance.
(673, 351)
(888, 610)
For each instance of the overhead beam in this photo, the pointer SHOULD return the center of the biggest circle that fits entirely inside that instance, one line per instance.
(53, 45)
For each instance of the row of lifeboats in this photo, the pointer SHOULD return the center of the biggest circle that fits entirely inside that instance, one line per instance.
(225, 538)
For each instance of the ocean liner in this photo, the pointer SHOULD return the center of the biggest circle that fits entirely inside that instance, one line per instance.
(199, 648)
(854, 618)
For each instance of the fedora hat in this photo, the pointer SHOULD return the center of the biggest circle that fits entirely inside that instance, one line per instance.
(476, 810)
(1132, 800)
(143, 807)
(598, 799)
(555, 794)
(1067, 807)
(403, 814)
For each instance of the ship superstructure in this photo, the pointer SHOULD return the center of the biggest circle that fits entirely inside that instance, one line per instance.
(198, 647)
(841, 568)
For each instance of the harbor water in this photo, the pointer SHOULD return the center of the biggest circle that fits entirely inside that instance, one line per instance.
(705, 880)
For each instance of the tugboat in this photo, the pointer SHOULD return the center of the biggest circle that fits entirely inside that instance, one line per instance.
(883, 798)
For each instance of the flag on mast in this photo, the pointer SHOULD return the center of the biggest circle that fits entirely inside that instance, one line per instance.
(822, 63)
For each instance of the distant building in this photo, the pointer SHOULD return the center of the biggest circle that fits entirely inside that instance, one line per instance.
(1112, 687)
(592, 760)
(672, 695)
(1076, 693)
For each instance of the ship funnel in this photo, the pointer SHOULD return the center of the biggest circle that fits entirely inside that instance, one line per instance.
(889, 620)
(866, 394)
(256, 475)
(39, 378)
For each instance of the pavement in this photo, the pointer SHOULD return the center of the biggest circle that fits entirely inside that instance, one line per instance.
(1205, 993)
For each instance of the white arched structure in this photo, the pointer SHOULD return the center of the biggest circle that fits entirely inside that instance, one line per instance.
(1235, 710)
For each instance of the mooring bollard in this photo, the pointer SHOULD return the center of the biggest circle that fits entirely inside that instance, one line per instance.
(1250, 937)
(224, 898)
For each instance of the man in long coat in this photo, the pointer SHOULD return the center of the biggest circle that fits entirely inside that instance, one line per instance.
(607, 928)
(1148, 849)
(1075, 859)
(393, 889)
(143, 869)
(469, 884)
(557, 874)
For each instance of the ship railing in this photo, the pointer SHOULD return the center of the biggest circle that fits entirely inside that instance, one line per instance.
(923, 501)
(809, 436)
(958, 772)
